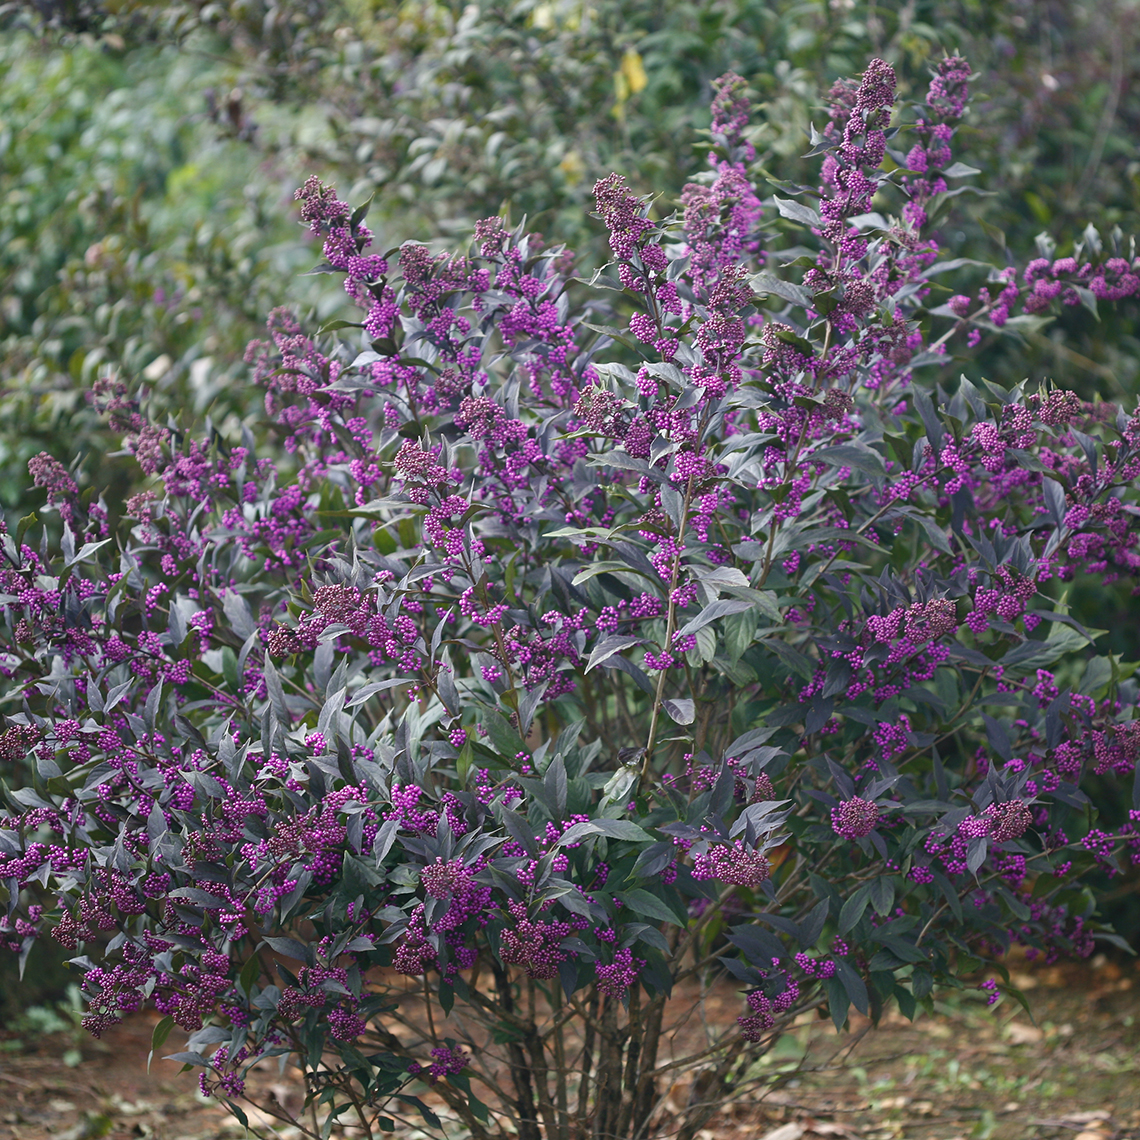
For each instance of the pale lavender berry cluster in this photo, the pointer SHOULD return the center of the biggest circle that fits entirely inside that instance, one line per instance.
(720, 220)
(1000, 821)
(855, 818)
(734, 865)
(534, 945)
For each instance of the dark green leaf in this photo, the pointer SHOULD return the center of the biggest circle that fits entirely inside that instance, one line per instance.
(853, 908)
(643, 903)
(797, 213)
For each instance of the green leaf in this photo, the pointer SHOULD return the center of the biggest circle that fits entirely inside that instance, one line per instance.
(1021, 1000)
(238, 1113)
(1087, 299)
(1098, 675)
(837, 1002)
(275, 689)
(250, 972)
(85, 552)
(596, 568)
(357, 877)
(739, 630)
(507, 743)
(711, 612)
(853, 908)
(705, 649)
(25, 523)
(429, 1116)
(723, 578)
(620, 335)
(854, 985)
(624, 462)
(792, 658)
(903, 950)
(764, 600)
(446, 995)
(922, 983)
(935, 535)
(361, 211)
(608, 646)
(290, 948)
(621, 829)
(882, 894)
(642, 902)
(786, 336)
(158, 1037)
(238, 613)
(478, 1108)
(908, 1007)
(855, 455)
(793, 211)
(230, 668)
(683, 711)
(765, 283)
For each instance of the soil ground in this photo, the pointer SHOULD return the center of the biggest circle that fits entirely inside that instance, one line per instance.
(968, 1072)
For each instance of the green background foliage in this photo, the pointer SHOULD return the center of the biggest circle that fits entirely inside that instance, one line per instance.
(149, 151)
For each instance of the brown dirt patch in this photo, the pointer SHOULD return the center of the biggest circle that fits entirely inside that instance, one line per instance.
(968, 1072)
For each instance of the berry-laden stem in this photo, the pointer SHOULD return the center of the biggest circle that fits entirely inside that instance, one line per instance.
(670, 626)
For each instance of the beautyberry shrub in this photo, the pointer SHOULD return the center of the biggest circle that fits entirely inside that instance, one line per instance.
(560, 644)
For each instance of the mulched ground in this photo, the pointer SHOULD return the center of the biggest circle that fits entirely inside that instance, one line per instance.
(969, 1072)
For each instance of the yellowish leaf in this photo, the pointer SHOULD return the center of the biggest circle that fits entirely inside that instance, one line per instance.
(634, 71)
(572, 167)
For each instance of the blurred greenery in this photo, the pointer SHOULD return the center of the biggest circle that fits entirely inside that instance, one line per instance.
(46, 978)
(149, 148)
(136, 238)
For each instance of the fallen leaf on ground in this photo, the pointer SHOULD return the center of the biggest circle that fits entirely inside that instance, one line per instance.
(828, 1128)
(1021, 1034)
(889, 1102)
(792, 1131)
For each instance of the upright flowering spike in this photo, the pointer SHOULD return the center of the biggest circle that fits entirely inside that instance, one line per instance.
(320, 207)
(931, 155)
(623, 215)
(730, 112)
(47, 472)
(720, 220)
